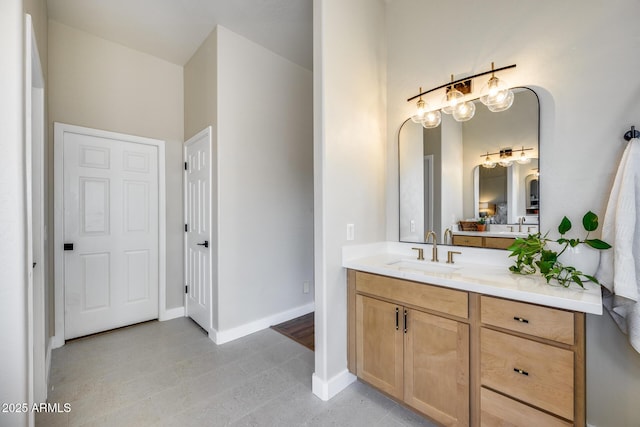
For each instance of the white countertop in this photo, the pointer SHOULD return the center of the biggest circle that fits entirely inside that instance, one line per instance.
(480, 270)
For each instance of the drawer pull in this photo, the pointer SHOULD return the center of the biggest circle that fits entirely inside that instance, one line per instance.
(397, 311)
(520, 371)
(520, 319)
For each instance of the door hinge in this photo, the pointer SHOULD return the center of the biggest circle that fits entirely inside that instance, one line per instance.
(186, 228)
(186, 289)
(185, 166)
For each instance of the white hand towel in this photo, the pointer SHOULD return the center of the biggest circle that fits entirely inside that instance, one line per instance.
(619, 269)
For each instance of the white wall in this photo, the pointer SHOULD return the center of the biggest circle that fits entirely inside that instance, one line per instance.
(452, 168)
(412, 183)
(349, 156)
(200, 111)
(100, 84)
(260, 107)
(580, 59)
(265, 182)
(13, 283)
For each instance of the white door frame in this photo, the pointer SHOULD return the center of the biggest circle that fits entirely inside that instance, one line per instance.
(58, 212)
(34, 171)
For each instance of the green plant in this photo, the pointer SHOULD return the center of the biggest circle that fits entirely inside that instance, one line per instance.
(532, 253)
(482, 221)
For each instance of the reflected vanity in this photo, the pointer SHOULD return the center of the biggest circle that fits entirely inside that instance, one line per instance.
(444, 185)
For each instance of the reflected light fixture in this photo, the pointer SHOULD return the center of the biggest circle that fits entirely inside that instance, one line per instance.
(523, 159)
(488, 163)
(496, 95)
(506, 158)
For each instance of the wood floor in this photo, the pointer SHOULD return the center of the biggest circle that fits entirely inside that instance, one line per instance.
(300, 329)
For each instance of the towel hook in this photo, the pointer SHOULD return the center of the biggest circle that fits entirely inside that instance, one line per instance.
(633, 133)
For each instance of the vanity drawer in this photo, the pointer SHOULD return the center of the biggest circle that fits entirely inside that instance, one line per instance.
(497, 410)
(498, 242)
(543, 322)
(539, 374)
(467, 241)
(430, 297)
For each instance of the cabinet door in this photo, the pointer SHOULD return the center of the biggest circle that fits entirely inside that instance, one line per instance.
(379, 344)
(437, 368)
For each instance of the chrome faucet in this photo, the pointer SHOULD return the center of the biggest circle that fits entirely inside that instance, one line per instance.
(520, 222)
(434, 251)
(447, 232)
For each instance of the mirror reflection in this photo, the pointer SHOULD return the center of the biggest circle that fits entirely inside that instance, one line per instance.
(462, 174)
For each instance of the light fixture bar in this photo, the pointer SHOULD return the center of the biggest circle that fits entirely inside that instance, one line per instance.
(507, 150)
(461, 80)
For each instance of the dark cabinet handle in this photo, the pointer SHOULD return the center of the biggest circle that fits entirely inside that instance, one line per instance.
(405, 321)
(520, 371)
(397, 316)
(520, 319)
(205, 244)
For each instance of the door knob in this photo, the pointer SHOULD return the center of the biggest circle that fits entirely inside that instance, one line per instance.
(205, 244)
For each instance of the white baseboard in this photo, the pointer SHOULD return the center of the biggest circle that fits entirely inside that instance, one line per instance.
(171, 313)
(325, 390)
(221, 337)
(47, 368)
(56, 341)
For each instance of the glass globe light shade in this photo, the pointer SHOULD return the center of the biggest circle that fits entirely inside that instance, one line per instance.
(505, 162)
(504, 105)
(451, 100)
(488, 163)
(494, 92)
(523, 159)
(432, 119)
(464, 111)
(418, 117)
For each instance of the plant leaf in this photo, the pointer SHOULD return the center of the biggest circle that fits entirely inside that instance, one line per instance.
(591, 278)
(590, 221)
(597, 244)
(565, 225)
(577, 280)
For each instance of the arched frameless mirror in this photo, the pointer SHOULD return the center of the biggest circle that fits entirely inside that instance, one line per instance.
(443, 184)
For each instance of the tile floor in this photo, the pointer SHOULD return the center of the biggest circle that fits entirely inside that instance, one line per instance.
(171, 374)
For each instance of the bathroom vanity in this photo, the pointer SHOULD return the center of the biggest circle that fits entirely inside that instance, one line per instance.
(467, 343)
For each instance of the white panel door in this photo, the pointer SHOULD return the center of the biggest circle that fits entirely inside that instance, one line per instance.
(111, 218)
(198, 244)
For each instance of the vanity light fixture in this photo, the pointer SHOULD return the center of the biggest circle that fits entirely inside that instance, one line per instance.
(497, 97)
(428, 117)
(505, 158)
(451, 98)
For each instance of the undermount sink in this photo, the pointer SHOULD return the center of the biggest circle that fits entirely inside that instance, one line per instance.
(425, 266)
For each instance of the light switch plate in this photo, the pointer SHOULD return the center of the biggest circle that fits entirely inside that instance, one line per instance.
(351, 231)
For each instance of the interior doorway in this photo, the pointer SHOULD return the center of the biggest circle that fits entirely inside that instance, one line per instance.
(110, 223)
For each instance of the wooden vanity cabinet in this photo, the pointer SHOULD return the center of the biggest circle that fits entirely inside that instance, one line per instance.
(482, 241)
(465, 359)
(410, 353)
(531, 362)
